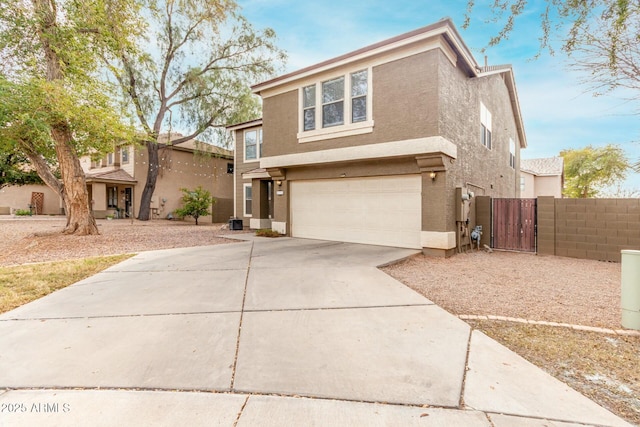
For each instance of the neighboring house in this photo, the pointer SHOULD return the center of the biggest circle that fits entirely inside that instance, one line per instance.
(541, 177)
(381, 145)
(116, 182)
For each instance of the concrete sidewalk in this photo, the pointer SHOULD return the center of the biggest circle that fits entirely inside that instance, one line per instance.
(269, 332)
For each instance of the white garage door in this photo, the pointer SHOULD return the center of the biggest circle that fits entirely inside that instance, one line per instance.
(380, 211)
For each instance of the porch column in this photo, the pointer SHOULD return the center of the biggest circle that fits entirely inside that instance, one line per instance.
(281, 200)
(438, 236)
(260, 204)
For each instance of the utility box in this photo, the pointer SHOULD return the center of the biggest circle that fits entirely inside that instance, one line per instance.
(630, 295)
(235, 224)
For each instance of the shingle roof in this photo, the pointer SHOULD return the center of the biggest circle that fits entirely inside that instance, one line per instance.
(112, 175)
(546, 166)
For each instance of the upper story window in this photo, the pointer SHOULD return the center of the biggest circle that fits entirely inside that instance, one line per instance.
(333, 102)
(110, 159)
(252, 144)
(125, 155)
(339, 106)
(512, 153)
(309, 107)
(359, 90)
(522, 183)
(485, 123)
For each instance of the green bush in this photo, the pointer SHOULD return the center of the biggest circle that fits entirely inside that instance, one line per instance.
(22, 212)
(196, 203)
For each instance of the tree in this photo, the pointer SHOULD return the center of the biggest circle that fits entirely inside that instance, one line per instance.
(53, 106)
(569, 20)
(15, 170)
(196, 203)
(588, 170)
(196, 76)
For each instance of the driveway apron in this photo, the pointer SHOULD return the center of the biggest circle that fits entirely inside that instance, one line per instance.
(264, 332)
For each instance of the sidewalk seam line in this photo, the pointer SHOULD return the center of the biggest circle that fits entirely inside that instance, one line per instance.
(461, 404)
(244, 298)
(235, 424)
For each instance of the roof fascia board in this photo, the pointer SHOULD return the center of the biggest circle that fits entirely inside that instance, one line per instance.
(441, 28)
(515, 102)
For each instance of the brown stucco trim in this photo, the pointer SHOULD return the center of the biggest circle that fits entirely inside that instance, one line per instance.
(444, 27)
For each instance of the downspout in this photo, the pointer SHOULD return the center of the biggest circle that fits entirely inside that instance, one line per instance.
(235, 189)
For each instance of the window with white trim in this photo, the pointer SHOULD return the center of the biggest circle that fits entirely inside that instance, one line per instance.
(512, 153)
(248, 199)
(522, 180)
(309, 107)
(337, 106)
(333, 102)
(253, 144)
(125, 155)
(359, 89)
(110, 158)
(485, 126)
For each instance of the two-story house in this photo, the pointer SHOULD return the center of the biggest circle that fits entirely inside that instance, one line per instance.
(385, 145)
(117, 180)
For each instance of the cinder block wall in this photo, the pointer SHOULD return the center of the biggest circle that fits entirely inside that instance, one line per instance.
(588, 228)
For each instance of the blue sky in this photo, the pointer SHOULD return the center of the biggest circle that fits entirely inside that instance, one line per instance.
(558, 112)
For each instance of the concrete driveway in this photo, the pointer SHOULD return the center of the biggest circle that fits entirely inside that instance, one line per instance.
(272, 332)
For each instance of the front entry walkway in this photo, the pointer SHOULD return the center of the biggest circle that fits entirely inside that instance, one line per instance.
(271, 332)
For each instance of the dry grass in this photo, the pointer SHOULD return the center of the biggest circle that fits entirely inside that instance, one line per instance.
(564, 290)
(603, 367)
(22, 284)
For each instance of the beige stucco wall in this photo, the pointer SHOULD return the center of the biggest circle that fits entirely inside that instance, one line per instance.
(529, 191)
(548, 186)
(182, 169)
(19, 197)
(537, 186)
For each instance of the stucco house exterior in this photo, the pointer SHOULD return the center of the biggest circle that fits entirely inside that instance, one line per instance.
(541, 177)
(386, 145)
(116, 182)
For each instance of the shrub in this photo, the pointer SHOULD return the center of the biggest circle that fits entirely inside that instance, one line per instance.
(196, 203)
(267, 232)
(22, 212)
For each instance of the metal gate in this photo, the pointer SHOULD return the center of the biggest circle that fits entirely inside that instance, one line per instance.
(514, 224)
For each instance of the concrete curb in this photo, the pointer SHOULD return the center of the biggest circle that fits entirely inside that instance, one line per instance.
(623, 332)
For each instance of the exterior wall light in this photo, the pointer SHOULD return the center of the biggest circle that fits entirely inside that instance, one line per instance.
(433, 175)
(279, 183)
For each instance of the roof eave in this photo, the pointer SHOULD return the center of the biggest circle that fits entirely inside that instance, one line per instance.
(515, 102)
(444, 28)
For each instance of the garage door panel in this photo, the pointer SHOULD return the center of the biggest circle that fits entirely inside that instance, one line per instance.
(382, 210)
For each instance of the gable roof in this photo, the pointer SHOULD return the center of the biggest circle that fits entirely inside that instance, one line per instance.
(443, 28)
(116, 176)
(193, 145)
(549, 166)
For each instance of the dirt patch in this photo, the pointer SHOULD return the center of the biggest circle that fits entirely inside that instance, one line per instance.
(33, 240)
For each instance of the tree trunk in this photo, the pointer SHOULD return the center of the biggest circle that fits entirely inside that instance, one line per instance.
(152, 176)
(80, 219)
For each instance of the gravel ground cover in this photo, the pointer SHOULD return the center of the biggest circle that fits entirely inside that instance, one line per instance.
(28, 240)
(522, 285)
